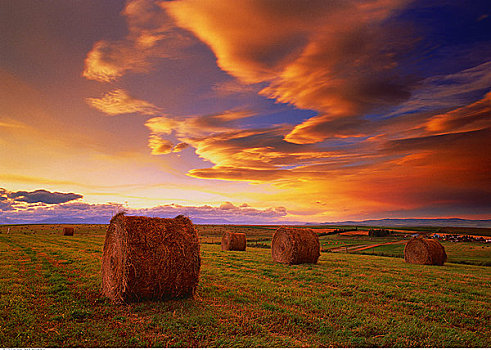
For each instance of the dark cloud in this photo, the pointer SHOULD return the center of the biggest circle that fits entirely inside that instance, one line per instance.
(3, 195)
(472, 142)
(43, 196)
(5, 202)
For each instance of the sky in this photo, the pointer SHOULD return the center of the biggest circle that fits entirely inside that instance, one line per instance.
(245, 111)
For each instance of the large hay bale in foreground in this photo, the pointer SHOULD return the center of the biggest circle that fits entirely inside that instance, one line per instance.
(150, 258)
(424, 251)
(234, 241)
(295, 246)
(68, 231)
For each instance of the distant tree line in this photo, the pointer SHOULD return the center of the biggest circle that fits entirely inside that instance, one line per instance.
(336, 231)
(341, 230)
(380, 232)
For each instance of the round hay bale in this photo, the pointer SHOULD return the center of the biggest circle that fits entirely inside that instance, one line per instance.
(295, 246)
(424, 251)
(150, 258)
(68, 231)
(234, 241)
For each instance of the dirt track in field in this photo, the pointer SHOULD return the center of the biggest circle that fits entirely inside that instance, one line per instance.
(364, 246)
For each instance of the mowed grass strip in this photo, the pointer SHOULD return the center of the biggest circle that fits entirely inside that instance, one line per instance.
(50, 297)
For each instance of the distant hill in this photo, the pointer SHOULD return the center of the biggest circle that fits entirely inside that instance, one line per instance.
(104, 219)
(453, 222)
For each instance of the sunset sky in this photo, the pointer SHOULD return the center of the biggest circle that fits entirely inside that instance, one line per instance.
(245, 111)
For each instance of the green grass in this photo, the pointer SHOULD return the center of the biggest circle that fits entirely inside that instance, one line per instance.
(50, 297)
(482, 231)
(472, 253)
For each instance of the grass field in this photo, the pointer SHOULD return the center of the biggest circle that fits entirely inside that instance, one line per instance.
(50, 297)
(472, 253)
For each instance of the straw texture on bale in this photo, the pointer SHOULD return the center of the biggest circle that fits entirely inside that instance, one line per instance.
(234, 241)
(68, 231)
(424, 251)
(295, 246)
(150, 258)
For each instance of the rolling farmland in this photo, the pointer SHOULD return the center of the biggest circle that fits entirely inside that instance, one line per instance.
(50, 296)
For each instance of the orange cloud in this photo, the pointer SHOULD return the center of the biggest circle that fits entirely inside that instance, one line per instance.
(348, 177)
(180, 146)
(318, 128)
(119, 101)
(334, 57)
(150, 36)
(235, 31)
(159, 145)
(242, 153)
(108, 61)
(475, 116)
(357, 154)
(339, 58)
(198, 125)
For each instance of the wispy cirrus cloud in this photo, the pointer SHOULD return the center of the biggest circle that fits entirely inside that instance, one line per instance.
(119, 101)
(247, 154)
(198, 125)
(447, 90)
(232, 87)
(225, 145)
(191, 130)
(475, 116)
